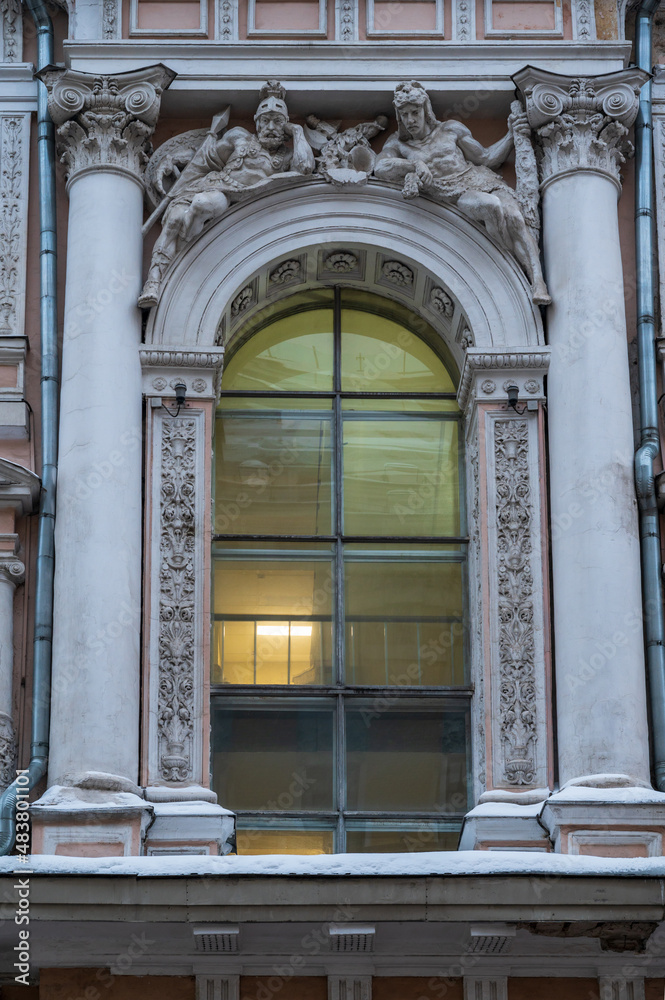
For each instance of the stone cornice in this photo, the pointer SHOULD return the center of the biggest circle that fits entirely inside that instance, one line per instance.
(105, 121)
(485, 374)
(581, 123)
(163, 367)
(19, 487)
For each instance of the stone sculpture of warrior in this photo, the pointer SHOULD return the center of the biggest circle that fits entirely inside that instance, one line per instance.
(225, 169)
(444, 161)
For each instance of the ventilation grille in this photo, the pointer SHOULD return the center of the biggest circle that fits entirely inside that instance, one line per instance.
(491, 939)
(216, 939)
(351, 938)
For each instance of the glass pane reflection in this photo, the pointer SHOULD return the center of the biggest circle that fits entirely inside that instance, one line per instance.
(273, 621)
(295, 352)
(404, 619)
(379, 355)
(421, 838)
(256, 841)
(275, 760)
(401, 477)
(273, 474)
(406, 761)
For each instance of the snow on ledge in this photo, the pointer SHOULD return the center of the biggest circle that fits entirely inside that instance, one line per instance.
(442, 863)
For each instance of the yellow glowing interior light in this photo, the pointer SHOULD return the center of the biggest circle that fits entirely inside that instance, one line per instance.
(283, 630)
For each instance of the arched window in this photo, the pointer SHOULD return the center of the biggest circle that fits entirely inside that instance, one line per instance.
(339, 688)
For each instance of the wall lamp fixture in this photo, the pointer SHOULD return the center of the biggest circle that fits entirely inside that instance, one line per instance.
(180, 390)
(513, 395)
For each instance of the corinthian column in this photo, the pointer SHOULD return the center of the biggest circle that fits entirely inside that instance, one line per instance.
(104, 127)
(581, 129)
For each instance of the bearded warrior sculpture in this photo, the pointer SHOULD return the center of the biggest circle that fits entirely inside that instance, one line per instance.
(445, 162)
(224, 169)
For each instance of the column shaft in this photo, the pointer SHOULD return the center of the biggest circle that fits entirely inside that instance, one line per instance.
(98, 527)
(581, 129)
(601, 699)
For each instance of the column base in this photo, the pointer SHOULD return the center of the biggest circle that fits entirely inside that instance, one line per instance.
(611, 821)
(506, 821)
(89, 822)
(188, 821)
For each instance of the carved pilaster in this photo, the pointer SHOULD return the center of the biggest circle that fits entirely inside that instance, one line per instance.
(621, 988)
(584, 20)
(11, 26)
(111, 19)
(105, 122)
(176, 712)
(581, 123)
(485, 988)
(8, 751)
(14, 156)
(178, 542)
(464, 21)
(346, 17)
(509, 646)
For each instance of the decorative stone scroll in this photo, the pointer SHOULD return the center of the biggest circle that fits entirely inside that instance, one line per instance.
(581, 124)
(14, 161)
(509, 649)
(105, 122)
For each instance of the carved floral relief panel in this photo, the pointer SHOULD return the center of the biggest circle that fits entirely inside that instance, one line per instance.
(176, 648)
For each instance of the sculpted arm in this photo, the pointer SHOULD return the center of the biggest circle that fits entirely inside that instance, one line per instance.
(302, 158)
(492, 157)
(391, 164)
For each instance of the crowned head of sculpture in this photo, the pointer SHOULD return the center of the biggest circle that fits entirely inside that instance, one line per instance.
(413, 108)
(271, 116)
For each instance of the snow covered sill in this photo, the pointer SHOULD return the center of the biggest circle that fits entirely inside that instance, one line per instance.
(436, 864)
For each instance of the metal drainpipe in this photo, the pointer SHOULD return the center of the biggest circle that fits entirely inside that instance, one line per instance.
(43, 630)
(652, 583)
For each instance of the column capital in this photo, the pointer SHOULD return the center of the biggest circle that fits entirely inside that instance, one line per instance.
(581, 123)
(12, 570)
(104, 122)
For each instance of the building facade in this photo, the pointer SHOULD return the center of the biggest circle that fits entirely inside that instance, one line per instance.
(336, 665)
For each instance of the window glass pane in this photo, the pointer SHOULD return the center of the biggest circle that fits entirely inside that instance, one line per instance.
(401, 761)
(397, 405)
(272, 619)
(423, 838)
(379, 355)
(404, 618)
(257, 841)
(277, 760)
(401, 476)
(273, 474)
(295, 352)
